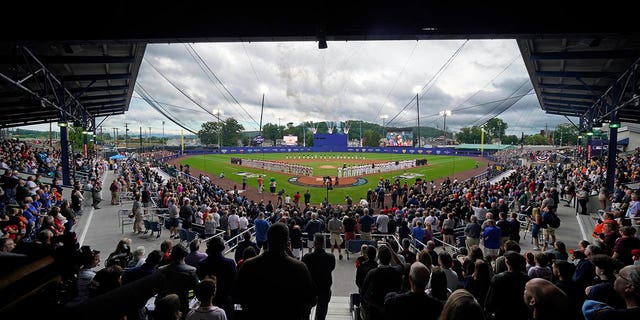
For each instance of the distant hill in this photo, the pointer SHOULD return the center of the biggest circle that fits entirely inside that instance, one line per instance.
(28, 134)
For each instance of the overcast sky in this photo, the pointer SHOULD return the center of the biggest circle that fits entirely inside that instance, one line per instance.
(475, 79)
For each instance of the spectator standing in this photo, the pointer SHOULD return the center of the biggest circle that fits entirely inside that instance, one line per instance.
(321, 264)
(261, 226)
(378, 282)
(223, 269)
(245, 243)
(205, 292)
(312, 227)
(504, 299)
(472, 233)
(179, 278)
(307, 197)
(280, 278)
(195, 256)
(415, 303)
(115, 191)
(491, 238)
(366, 221)
(335, 234)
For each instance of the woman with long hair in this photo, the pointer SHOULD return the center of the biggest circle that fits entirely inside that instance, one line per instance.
(478, 284)
(536, 221)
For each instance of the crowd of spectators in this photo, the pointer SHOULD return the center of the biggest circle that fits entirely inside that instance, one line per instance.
(485, 276)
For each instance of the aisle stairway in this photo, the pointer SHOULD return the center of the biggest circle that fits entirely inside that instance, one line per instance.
(338, 309)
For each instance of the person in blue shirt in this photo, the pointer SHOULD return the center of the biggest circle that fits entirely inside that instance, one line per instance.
(262, 226)
(366, 221)
(491, 238)
(418, 234)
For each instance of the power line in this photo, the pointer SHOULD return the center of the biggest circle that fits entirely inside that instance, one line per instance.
(155, 105)
(215, 85)
(431, 81)
(178, 88)
(223, 86)
(397, 78)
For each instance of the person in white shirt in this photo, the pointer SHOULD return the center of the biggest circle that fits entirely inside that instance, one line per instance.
(243, 222)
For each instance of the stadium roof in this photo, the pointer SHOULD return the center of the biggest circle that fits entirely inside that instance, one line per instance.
(588, 77)
(95, 52)
(52, 81)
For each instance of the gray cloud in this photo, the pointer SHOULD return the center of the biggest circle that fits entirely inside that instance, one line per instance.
(349, 80)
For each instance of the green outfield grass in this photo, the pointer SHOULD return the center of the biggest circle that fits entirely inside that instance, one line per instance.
(439, 167)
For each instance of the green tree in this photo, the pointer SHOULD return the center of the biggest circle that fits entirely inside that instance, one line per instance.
(495, 128)
(536, 139)
(371, 138)
(271, 132)
(566, 134)
(76, 137)
(209, 131)
(231, 132)
(470, 135)
(510, 139)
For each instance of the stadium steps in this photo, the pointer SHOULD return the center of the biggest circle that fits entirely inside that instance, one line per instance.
(338, 309)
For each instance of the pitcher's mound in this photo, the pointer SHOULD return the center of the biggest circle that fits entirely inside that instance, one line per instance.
(317, 181)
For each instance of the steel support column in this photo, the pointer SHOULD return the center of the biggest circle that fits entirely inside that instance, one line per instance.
(612, 154)
(64, 156)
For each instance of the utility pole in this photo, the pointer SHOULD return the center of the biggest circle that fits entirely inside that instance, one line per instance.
(126, 137)
(115, 138)
(149, 140)
(219, 129)
(140, 138)
(163, 135)
(361, 133)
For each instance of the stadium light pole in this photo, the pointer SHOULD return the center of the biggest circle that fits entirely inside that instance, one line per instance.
(445, 113)
(417, 90)
(264, 90)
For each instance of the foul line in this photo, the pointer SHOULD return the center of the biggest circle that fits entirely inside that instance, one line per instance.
(86, 227)
(584, 234)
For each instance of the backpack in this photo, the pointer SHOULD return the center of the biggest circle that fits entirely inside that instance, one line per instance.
(552, 220)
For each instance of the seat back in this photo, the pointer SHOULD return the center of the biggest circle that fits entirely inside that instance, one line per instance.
(184, 236)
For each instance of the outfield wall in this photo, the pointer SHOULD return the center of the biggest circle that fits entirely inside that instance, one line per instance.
(282, 149)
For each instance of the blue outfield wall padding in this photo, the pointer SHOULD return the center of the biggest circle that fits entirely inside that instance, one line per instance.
(413, 151)
(324, 142)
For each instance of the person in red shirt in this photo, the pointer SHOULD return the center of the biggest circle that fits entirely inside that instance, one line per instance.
(296, 199)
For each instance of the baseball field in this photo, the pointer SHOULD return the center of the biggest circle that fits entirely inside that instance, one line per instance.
(327, 164)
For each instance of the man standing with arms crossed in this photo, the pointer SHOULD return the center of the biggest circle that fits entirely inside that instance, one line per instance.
(335, 237)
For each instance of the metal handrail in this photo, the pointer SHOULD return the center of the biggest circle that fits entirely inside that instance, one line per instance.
(231, 248)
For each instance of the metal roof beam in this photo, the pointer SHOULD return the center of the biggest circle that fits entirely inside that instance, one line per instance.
(577, 87)
(573, 103)
(585, 55)
(569, 95)
(102, 97)
(4, 59)
(102, 88)
(48, 89)
(93, 104)
(611, 100)
(575, 74)
(97, 77)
